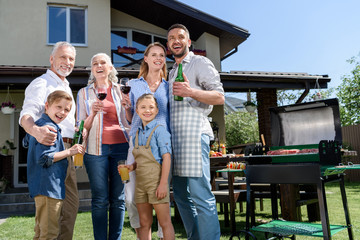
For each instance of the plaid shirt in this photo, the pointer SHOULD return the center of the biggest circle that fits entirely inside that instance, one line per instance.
(188, 118)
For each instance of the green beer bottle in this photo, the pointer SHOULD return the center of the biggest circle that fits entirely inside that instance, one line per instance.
(179, 78)
(78, 137)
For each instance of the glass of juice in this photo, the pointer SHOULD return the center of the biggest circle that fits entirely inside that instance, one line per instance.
(123, 171)
(78, 160)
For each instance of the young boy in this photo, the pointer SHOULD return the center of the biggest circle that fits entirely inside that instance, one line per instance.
(46, 167)
(152, 167)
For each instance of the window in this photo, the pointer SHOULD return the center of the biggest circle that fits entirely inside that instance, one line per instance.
(119, 38)
(132, 38)
(67, 24)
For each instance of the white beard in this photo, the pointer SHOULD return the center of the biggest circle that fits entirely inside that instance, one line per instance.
(62, 73)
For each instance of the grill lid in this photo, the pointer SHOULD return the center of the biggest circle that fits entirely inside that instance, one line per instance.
(305, 123)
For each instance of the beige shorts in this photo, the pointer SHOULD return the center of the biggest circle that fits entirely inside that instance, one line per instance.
(146, 185)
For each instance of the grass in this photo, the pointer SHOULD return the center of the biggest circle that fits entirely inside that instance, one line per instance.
(22, 227)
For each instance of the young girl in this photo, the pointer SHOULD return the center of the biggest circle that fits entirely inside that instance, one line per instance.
(151, 79)
(152, 166)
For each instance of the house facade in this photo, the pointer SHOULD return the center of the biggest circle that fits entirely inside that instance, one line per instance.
(29, 30)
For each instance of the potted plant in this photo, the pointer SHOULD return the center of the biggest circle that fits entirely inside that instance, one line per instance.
(8, 145)
(4, 150)
(250, 106)
(3, 184)
(8, 107)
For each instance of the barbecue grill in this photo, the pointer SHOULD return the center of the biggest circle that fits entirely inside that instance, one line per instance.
(313, 125)
(307, 138)
(327, 153)
(306, 123)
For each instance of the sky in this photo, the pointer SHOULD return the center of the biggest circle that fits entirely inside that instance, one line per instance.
(311, 36)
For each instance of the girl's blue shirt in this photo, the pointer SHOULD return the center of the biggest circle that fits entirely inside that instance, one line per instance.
(160, 142)
(139, 87)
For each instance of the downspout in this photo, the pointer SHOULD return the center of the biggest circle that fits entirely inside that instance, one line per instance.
(229, 54)
(303, 95)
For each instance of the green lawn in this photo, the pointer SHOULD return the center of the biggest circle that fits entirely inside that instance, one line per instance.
(22, 227)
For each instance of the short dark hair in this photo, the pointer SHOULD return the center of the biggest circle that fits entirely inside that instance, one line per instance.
(178, 25)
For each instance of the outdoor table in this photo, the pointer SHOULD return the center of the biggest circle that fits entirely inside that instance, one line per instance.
(232, 201)
(217, 163)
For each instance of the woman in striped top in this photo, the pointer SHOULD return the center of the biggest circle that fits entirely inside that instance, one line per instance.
(107, 144)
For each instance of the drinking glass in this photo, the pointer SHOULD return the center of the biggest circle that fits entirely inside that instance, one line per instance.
(124, 85)
(101, 92)
(123, 171)
(78, 160)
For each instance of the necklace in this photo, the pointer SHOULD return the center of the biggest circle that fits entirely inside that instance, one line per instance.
(154, 86)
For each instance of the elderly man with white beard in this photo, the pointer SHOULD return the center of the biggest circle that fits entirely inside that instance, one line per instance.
(62, 60)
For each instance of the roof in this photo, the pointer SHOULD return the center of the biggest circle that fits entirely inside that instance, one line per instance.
(21, 76)
(234, 81)
(239, 81)
(233, 104)
(169, 12)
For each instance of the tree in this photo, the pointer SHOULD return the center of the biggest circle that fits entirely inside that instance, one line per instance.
(287, 97)
(348, 94)
(241, 127)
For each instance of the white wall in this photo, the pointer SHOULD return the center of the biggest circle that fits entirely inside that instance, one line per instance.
(123, 20)
(210, 43)
(23, 28)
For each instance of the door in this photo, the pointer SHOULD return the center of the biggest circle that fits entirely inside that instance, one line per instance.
(20, 155)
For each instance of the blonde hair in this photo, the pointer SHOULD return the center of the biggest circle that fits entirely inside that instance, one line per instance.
(57, 96)
(144, 67)
(113, 73)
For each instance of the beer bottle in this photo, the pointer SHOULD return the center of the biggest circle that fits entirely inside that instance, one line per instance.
(179, 78)
(78, 137)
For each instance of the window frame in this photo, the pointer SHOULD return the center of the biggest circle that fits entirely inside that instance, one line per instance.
(129, 38)
(129, 31)
(68, 24)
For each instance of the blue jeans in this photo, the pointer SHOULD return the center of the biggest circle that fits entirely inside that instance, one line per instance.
(196, 203)
(107, 190)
